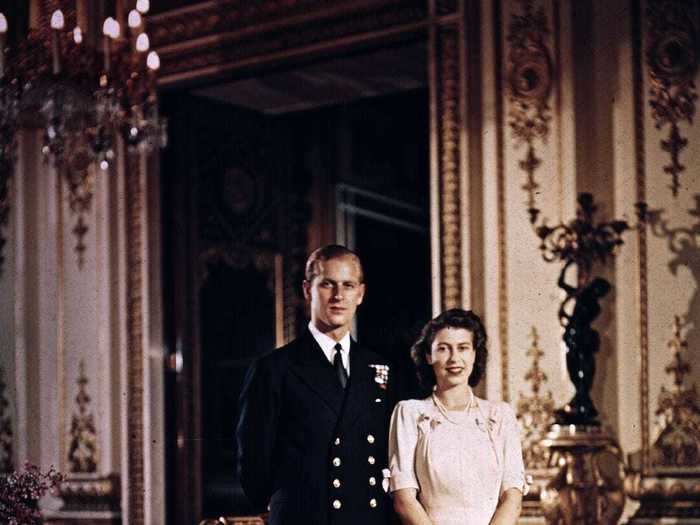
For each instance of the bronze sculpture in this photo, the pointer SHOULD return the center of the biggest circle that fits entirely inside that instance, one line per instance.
(579, 244)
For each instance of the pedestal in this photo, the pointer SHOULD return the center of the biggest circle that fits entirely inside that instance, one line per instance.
(87, 500)
(665, 497)
(587, 486)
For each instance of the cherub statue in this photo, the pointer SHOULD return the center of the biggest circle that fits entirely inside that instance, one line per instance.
(582, 342)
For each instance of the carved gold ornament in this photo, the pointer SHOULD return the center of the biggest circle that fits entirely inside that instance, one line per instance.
(671, 490)
(535, 410)
(672, 59)
(82, 451)
(87, 492)
(529, 79)
(678, 444)
(582, 491)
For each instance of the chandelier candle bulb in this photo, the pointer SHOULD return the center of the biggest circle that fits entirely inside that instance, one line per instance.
(3, 32)
(134, 19)
(54, 80)
(142, 43)
(108, 30)
(153, 61)
(57, 23)
(142, 6)
(57, 20)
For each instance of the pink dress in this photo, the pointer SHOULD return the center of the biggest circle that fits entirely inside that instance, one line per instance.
(460, 462)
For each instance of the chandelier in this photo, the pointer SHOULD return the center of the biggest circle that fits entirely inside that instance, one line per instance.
(85, 93)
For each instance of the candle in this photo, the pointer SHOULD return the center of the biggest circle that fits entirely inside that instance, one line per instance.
(142, 43)
(135, 23)
(135, 19)
(153, 61)
(77, 35)
(3, 32)
(110, 30)
(106, 31)
(143, 6)
(57, 23)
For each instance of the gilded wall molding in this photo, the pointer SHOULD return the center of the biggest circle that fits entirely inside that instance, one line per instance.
(535, 410)
(135, 228)
(642, 242)
(209, 18)
(678, 442)
(324, 25)
(85, 493)
(672, 59)
(670, 490)
(82, 448)
(449, 124)
(501, 202)
(535, 413)
(6, 434)
(530, 75)
(81, 189)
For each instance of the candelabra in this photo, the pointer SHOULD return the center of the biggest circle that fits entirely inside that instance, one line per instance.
(579, 244)
(82, 96)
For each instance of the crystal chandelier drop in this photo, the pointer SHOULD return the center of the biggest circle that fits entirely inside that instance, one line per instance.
(83, 92)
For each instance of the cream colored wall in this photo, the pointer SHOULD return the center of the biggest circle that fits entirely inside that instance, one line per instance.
(591, 146)
(58, 314)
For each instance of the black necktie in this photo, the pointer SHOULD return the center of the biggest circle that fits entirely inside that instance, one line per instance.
(338, 365)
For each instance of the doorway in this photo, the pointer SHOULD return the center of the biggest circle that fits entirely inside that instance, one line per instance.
(260, 171)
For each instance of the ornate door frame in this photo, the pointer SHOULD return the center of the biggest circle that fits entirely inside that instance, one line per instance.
(214, 40)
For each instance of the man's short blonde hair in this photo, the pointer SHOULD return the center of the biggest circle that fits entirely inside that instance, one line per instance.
(325, 253)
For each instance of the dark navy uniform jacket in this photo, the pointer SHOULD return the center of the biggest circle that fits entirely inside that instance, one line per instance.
(307, 447)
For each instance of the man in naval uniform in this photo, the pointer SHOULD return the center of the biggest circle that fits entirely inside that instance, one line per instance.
(314, 414)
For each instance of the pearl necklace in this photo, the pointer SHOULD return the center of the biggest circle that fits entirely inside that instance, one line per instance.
(445, 410)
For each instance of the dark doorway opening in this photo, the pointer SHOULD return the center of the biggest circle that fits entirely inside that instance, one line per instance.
(258, 172)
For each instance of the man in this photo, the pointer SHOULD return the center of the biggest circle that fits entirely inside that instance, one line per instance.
(314, 415)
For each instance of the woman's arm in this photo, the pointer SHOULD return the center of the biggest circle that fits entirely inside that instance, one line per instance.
(508, 509)
(513, 482)
(409, 509)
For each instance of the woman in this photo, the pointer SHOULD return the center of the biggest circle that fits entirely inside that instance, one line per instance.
(455, 459)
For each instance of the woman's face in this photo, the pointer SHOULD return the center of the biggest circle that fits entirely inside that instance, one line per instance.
(452, 357)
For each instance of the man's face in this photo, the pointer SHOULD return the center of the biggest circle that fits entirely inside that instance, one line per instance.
(334, 294)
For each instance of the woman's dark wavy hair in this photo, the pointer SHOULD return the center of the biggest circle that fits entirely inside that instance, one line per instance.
(454, 318)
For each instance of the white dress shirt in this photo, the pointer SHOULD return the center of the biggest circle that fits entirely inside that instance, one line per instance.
(327, 344)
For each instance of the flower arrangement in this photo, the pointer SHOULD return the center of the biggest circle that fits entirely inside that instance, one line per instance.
(20, 493)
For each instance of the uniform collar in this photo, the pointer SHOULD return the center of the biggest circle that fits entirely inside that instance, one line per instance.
(327, 344)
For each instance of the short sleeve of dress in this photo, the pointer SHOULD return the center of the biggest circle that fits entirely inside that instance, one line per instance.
(513, 467)
(403, 436)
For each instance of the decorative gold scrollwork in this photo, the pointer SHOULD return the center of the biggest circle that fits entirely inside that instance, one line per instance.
(450, 123)
(671, 489)
(530, 79)
(672, 59)
(583, 491)
(536, 410)
(82, 452)
(678, 443)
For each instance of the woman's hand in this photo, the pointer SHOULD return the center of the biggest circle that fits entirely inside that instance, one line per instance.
(508, 509)
(409, 509)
